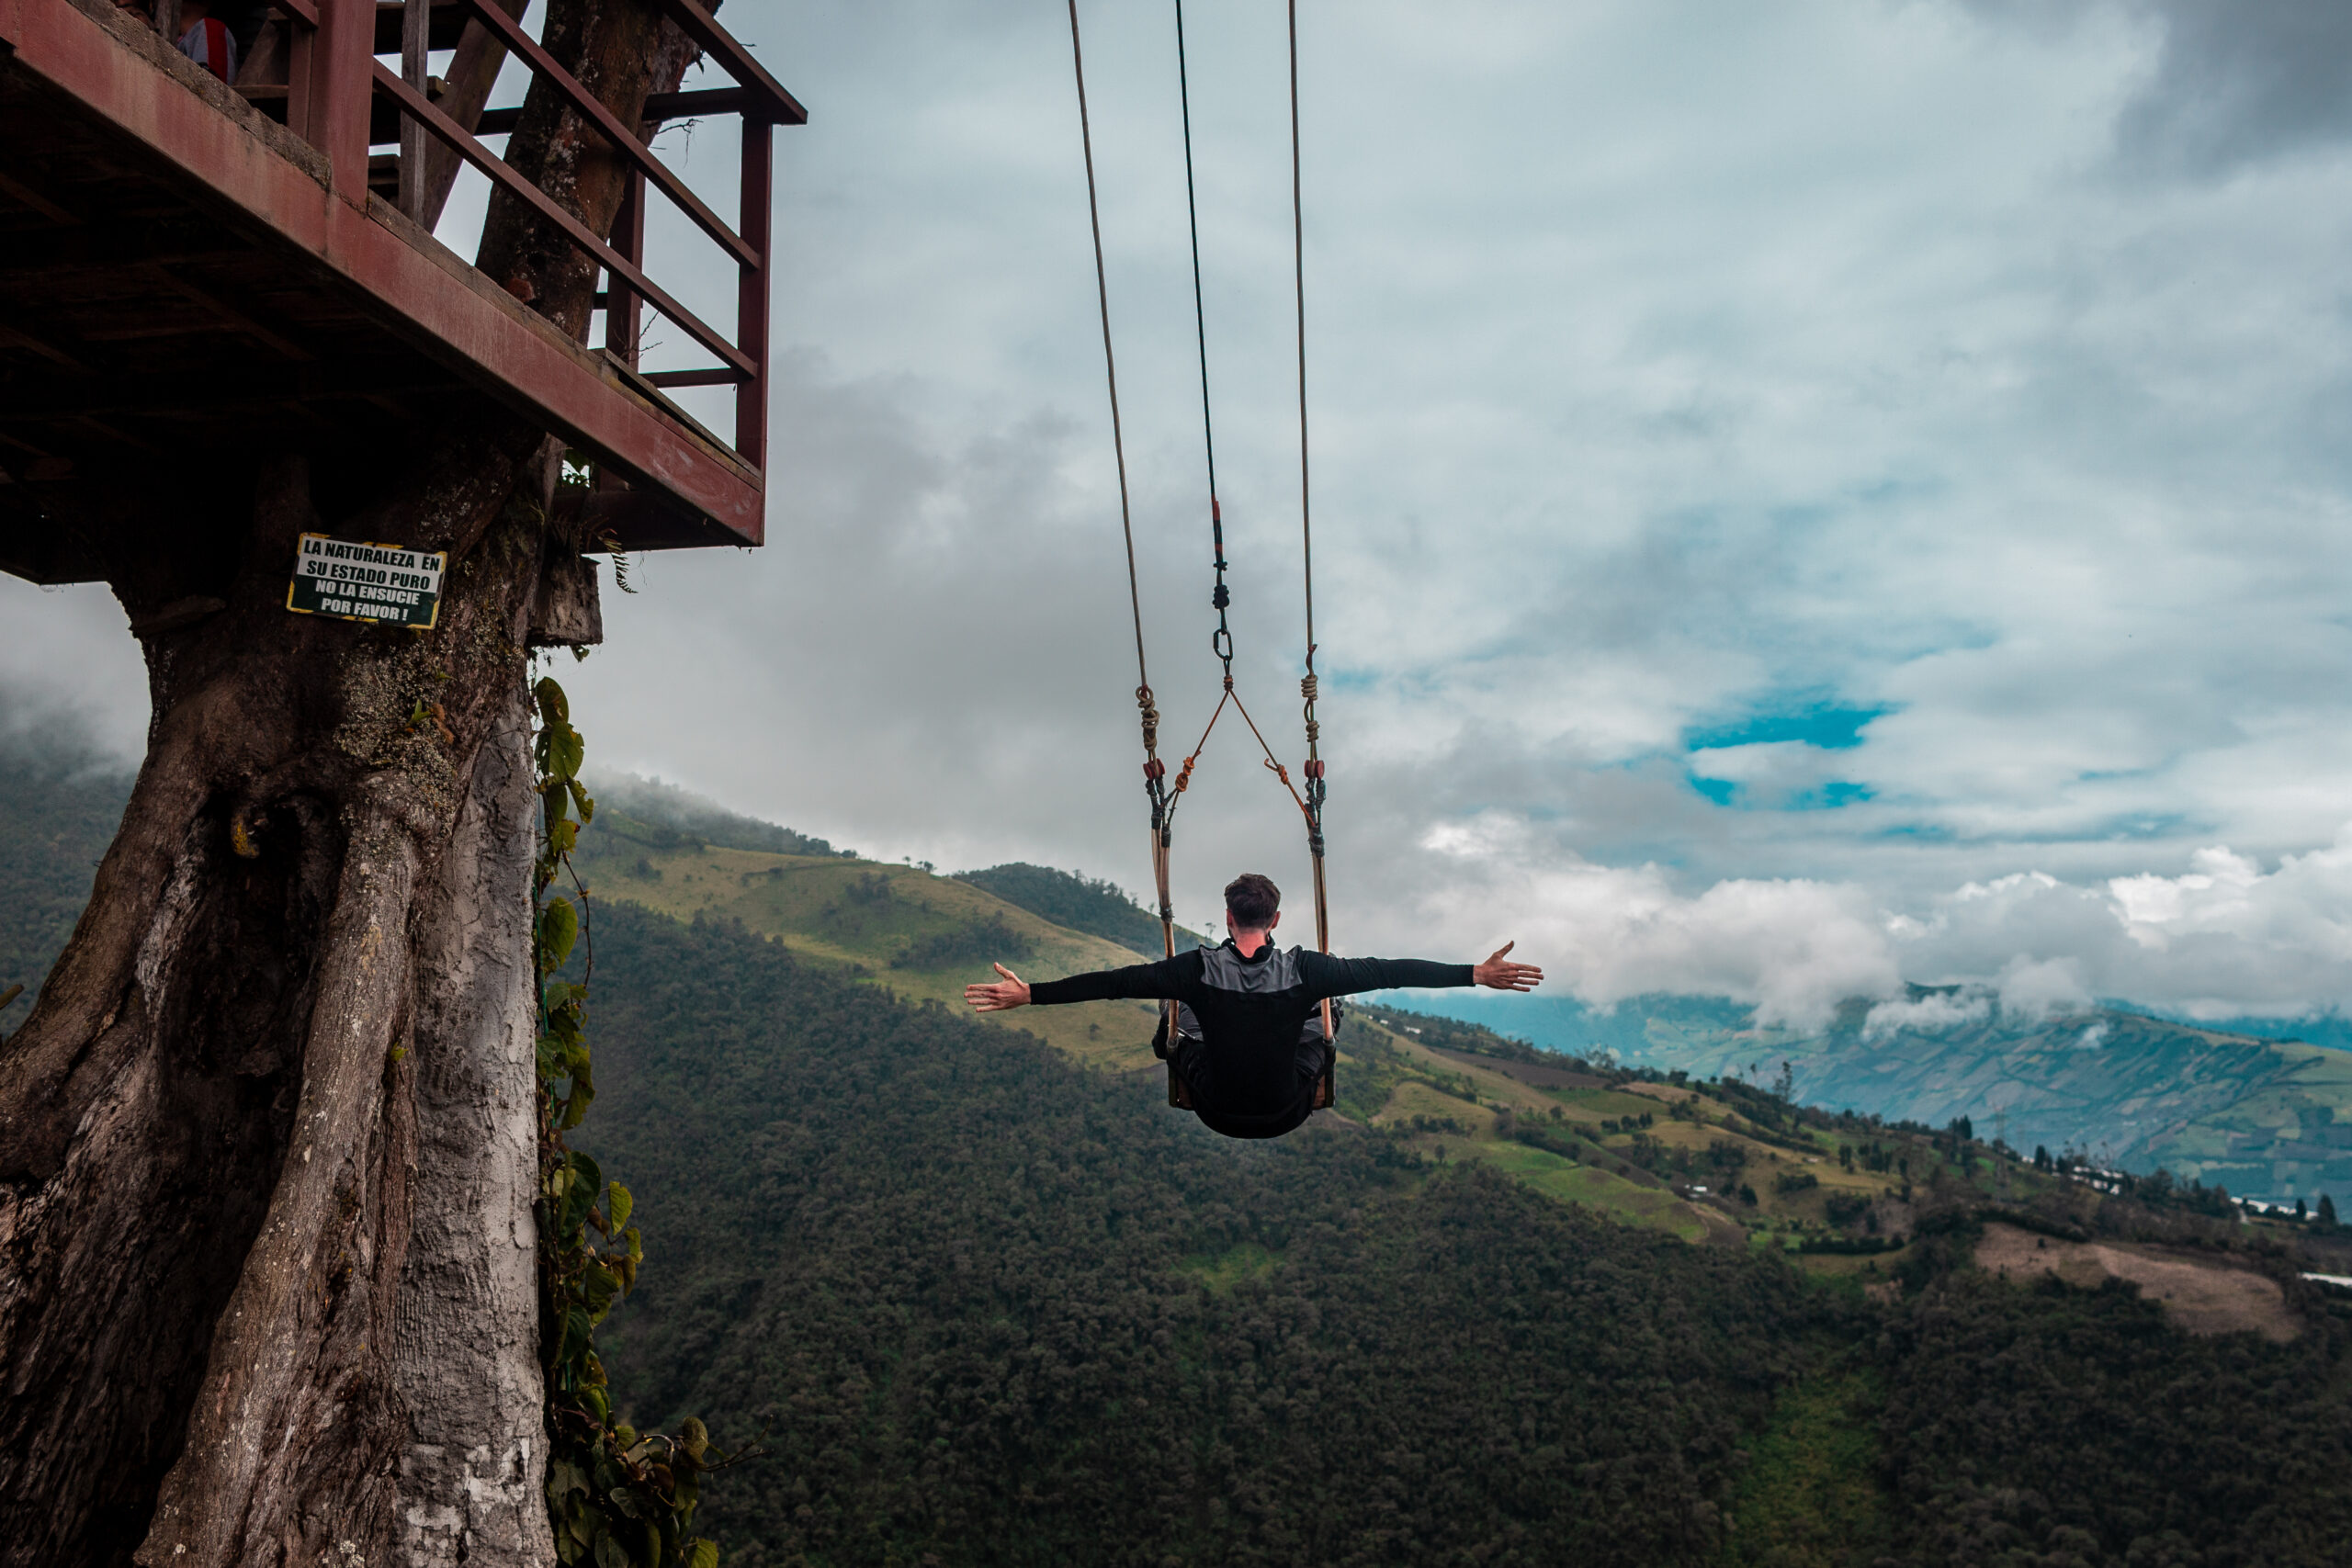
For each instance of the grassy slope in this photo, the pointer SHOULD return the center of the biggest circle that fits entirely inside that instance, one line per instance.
(861, 915)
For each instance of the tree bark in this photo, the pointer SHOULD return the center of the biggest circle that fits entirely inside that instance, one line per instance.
(466, 1351)
(267, 1282)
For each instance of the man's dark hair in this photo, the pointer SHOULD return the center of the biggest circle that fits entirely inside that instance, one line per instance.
(1251, 900)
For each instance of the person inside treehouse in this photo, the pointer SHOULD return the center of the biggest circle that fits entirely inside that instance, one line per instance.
(205, 37)
(1249, 1041)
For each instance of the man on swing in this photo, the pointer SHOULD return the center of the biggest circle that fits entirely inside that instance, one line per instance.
(1249, 1039)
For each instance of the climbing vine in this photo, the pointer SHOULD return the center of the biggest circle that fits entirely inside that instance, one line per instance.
(617, 1497)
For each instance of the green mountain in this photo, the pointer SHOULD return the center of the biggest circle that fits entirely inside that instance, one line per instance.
(2267, 1118)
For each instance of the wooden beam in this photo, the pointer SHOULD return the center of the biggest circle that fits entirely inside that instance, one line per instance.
(489, 162)
(751, 290)
(23, 338)
(771, 101)
(717, 378)
(660, 109)
(25, 195)
(259, 177)
(608, 124)
(224, 387)
(470, 75)
(229, 312)
(95, 247)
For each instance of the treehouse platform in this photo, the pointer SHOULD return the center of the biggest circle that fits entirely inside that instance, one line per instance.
(188, 267)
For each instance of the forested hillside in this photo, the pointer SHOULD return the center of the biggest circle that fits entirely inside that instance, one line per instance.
(1081, 903)
(1000, 1309)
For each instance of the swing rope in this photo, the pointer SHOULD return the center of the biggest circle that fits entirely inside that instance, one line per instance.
(1164, 800)
(1155, 771)
(1221, 642)
(1313, 805)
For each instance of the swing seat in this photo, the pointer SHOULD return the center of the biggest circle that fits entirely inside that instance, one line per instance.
(1180, 1093)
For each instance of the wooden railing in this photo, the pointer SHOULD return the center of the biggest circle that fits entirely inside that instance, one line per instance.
(336, 89)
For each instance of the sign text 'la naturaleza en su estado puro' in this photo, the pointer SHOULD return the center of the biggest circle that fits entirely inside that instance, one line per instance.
(356, 582)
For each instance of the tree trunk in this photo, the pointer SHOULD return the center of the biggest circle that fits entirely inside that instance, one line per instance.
(267, 1277)
(465, 1352)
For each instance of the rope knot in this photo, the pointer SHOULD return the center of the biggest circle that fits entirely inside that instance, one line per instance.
(1151, 713)
(1307, 688)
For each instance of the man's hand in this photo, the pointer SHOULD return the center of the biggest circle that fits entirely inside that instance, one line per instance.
(1495, 974)
(1013, 991)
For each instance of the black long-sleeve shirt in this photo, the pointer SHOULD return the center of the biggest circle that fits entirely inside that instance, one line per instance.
(1253, 1074)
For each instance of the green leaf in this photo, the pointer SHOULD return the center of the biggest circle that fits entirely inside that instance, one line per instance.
(618, 1210)
(566, 750)
(555, 709)
(702, 1552)
(692, 1436)
(580, 798)
(559, 928)
(610, 1553)
(598, 1287)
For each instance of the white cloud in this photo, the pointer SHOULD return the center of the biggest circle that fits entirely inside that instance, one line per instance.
(1792, 948)
(1927, 1014)
(1666, 360)
(2036, 987)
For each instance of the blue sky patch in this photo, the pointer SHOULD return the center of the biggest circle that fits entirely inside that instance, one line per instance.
(1812, 717)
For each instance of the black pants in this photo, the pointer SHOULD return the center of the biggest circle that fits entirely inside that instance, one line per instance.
(1314, 1059)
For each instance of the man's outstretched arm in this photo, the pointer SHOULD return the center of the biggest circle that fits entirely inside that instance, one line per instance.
(1329, 976)
(1155, 982)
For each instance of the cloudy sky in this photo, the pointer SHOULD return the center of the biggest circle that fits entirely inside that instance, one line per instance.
(1807, 497)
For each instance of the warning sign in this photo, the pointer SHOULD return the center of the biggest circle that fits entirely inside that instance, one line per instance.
(355, 581)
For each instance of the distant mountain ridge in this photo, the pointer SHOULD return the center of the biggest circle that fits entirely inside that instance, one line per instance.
(669, 805)
(2266, 1117)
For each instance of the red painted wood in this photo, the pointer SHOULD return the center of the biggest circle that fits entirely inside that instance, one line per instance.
(340, 57)
(735, 59)
(588, 103)
(414, 103)
(419, 289)
(623, 316)
(751, 291)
